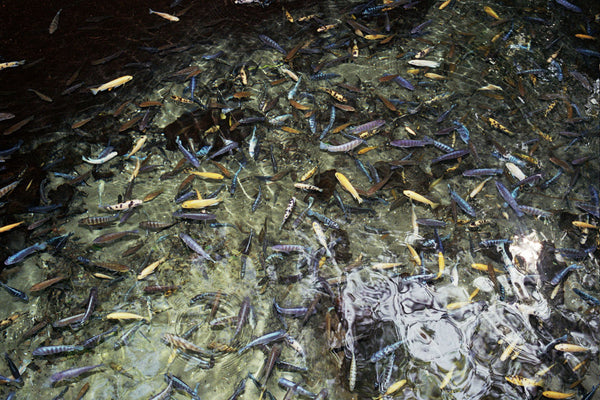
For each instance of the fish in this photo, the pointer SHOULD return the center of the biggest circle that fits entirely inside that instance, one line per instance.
(9, 227)
(395, 387)
(508, 198)
(425, 63)
(386, 351)
(101, 221)
(164, 15)
(191, 157)
(15, 292)
(273, 44)
(138, 145)
(193, 245)
(9, 188)
(264, 339)
(41, 95)
(165, 393)
(200, 203)
(560, 275)
(44, 284)
(352, 373)
(462, 203)
(101, 160)
(346, 147)
(253, 148)
(421, 199)
(290, 385)
(113, 236)
(522, 381)
(14, 128)
(20, 255)
(181, 343)
(570, 348)
(207, 175)
(72, 373)
(348, 186)
(489, 11)
(112, 84)
(150, 268)
(179, 384)
(58, 349)
(121, 315)
(11, 64)
(557, 395)
(306, 186)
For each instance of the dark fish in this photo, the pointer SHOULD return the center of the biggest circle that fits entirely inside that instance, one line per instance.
(180, 385)
(508, 198)
(264, 339)
(15, 292)
(450, 156)
(20, 255)
(286, 383)
(386, 351)
(193, 245)
(91, 305)
(165, 394)
(98, 221)
(408, 143)
(72, 373)
(111, 237)
(156, 226)
(295, 312)
(242, 316)
(59, 349)
(483, 172)
(188, 154)
(271, 43)
(13, 368)
(195, 216)
(462, 203)
(559, 277)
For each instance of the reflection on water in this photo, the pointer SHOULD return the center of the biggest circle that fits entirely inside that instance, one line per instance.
(359, 200)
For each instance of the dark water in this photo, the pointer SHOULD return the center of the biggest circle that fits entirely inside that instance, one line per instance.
(523, 85)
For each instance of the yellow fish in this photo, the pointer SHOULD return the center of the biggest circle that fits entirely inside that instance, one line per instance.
(557, 395)
(348, 186)
(392, 389)
(421, 199)
(441, 265)
(570, 348)
(522, 381)
(490, 12)
(200, 203)
(124, 315)
(207, 175)
(112, 84)
(150, 268)
(309, 174)
(11, 64)
(138, 145)
(414, 254)
(10, 226)
(583, 225)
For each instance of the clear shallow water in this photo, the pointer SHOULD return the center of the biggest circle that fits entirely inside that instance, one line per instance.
(360, 310)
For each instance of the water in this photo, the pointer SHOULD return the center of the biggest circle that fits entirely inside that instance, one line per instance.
(464, 330)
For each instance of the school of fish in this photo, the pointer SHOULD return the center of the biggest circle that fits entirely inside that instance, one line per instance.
(364, 200)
